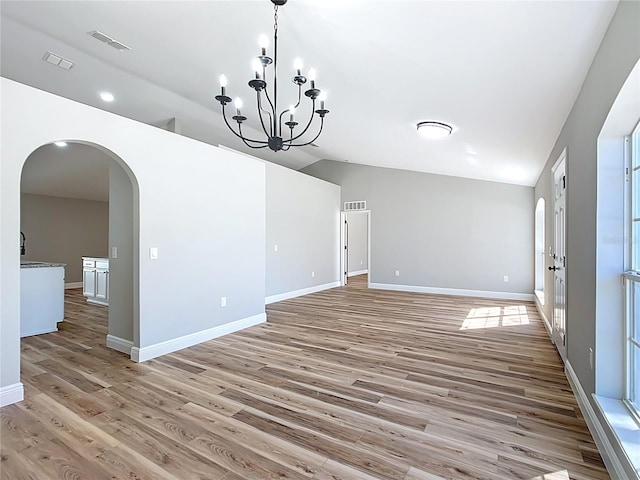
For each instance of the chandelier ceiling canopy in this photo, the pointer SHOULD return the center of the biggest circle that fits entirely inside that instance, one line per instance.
(267, 101)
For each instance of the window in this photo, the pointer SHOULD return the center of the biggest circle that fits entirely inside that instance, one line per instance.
(632, 278)
(539, 250)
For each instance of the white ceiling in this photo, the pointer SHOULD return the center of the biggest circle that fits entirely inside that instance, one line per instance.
(505, 74)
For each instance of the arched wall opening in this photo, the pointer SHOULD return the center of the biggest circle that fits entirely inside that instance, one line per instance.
(85, 187)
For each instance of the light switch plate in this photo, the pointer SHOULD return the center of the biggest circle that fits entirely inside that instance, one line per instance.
(153, 253)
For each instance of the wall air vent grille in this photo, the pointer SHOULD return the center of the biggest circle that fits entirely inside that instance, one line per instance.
(356, 205)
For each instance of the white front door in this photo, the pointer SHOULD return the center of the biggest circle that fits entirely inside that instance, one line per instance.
(559, 255)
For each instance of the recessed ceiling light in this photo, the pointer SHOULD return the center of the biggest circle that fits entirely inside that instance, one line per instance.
(434, 130)
(106, 96)
(60, 144)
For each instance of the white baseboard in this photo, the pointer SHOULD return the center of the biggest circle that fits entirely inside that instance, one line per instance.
(13, 393)
(298, 293)
(119, 344)
(152, 351)
(73, 285)
(545, 320)
(611, 460)
(454, 291)
(357, 272)
(42, 331)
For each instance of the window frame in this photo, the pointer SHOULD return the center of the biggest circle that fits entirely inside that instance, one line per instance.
(631, 277)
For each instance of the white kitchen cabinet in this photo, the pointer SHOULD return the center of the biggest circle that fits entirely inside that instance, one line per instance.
(95, 280)
(41, 297)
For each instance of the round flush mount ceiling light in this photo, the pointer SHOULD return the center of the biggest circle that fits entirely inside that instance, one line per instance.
(433, 130)
(107, 96)
(60, 144)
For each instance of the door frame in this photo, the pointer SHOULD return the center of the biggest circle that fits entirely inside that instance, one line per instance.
(342, 252)
(558, 337)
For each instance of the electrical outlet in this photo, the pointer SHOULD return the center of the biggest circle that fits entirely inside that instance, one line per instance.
(397, 273)
(591, 357)
(223, 301)
(114, 252)
(506, 278)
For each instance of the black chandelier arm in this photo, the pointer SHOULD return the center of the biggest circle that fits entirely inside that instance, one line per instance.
(310, 141)
(239, 135)
(313, 113)
(247, 140)
(294, 107)
(260, 110)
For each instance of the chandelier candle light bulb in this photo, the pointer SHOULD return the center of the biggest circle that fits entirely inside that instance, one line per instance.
(223, 83)
(322, 98)
(263, 41)
(312, 77)
(270, 118)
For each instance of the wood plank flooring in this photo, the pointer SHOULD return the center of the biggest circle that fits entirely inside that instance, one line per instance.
(348, 383)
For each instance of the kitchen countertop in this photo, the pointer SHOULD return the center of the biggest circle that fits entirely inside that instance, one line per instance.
(32, 264)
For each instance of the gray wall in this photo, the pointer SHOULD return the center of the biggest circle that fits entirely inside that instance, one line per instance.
(64, 230)
(439, 231)
(121, 234)
(614, 61)
(358, 242)
(618, 53)
(302, 219)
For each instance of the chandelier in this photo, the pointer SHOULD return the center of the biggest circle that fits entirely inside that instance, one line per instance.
(267, 103)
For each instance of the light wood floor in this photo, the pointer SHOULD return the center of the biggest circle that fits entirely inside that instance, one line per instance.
(346, 384)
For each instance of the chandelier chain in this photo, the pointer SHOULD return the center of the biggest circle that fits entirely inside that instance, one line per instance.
(275, 18)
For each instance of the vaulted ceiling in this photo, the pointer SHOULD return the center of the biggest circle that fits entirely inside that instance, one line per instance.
(505, 74)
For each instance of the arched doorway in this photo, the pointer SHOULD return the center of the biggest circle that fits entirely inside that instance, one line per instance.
(80, 199)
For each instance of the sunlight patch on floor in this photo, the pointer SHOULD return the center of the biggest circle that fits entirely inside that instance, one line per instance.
(492, 317)
(559, 475)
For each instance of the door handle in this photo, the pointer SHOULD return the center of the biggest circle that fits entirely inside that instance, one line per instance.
(554, 268)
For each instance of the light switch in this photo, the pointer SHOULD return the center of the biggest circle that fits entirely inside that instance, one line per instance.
(114, 252)
(223, 301)
(275, 248)
(153, 253)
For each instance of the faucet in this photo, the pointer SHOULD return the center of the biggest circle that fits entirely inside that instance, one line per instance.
(23, 240)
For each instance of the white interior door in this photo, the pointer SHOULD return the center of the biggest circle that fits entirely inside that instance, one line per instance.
(559, 257)
(344, 245)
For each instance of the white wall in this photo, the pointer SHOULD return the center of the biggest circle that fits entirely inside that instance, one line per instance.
(303, 221)
(201, 206)
(123, 318)
(442, 234)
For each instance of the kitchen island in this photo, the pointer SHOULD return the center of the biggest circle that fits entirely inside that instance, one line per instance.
(41, 297)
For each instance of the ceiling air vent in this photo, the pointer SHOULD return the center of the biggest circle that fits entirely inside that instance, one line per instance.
(58, 60)
(108, 40)
(357, 205)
